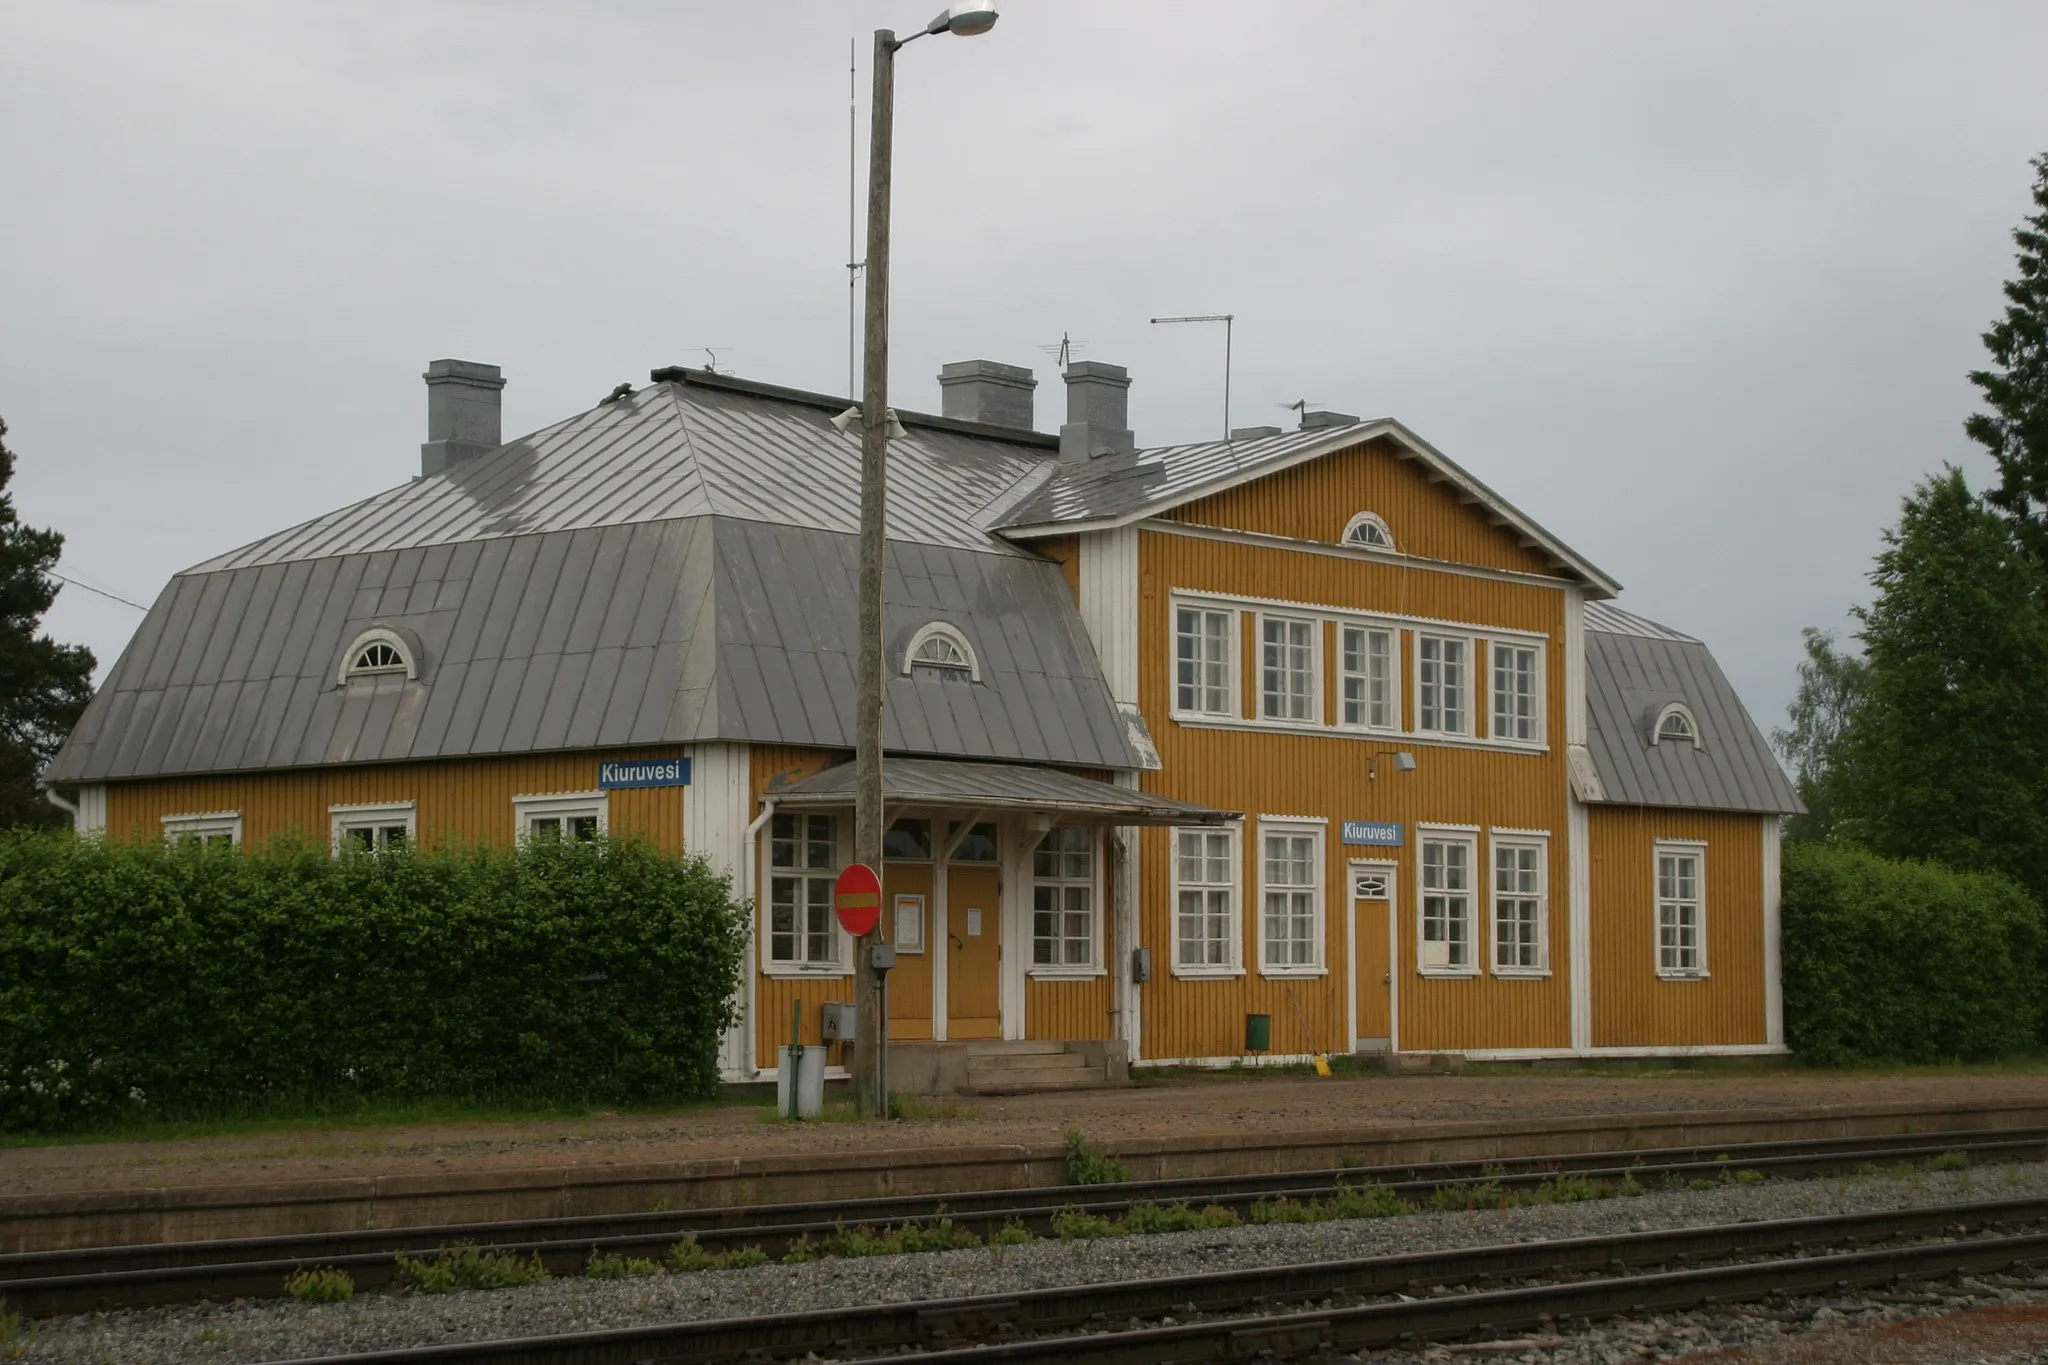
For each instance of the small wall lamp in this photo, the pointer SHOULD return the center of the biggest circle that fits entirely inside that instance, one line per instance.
(1404, 762)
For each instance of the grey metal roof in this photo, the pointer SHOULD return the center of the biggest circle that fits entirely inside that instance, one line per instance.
(1000, 786)
(1634, 668)
(695, 444)
(652, 632)
(1119, 488)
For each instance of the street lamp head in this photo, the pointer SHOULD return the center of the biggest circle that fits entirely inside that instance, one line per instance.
(964, 20)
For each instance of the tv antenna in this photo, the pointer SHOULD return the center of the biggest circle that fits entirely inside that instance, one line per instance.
(1228, 320)
(853, 267)
(1299, 407)
(1063, 350)
(711, 365)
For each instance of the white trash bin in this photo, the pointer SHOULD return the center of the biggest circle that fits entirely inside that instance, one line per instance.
(810, 1082)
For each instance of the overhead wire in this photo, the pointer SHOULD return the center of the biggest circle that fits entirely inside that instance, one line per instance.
(111, 596)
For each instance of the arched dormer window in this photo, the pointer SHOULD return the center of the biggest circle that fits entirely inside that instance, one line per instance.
(940, 648)
(1370, 530)
(377, 652)
(1675, 725)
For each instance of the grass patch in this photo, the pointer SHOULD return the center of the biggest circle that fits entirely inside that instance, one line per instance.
(1350, 1201)
(1144, 1220)
(321, 1285)
(466, 1266)
(1071, 1224)
(619, 1267)
(1011, 1234)
(686, 1257)
(1949, 1161)
(15, 1333)
(937, 1234)
(1092, 1168)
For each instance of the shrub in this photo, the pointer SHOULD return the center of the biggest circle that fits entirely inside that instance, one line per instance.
(322, 1285)
(686, 1256)
(1905, 962)
(1011, 1234)
(185, 981)
(465, 1266)
(1072, 1224)
(1092, 1168)
(1145, 1219)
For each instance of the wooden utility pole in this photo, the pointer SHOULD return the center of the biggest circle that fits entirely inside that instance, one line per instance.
(869, 1097)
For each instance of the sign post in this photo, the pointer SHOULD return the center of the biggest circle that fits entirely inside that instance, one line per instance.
(857, 900)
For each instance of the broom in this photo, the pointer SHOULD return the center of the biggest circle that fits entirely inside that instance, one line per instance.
(1319, 1061)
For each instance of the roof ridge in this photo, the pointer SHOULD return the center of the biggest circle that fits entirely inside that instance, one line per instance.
(711, 379)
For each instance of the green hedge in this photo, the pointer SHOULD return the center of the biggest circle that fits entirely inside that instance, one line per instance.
(1906, 962)
(184, 981)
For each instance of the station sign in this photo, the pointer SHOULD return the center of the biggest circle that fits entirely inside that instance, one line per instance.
(1373, 833)
(644, 772)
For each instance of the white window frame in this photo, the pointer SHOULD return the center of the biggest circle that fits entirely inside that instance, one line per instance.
(1685, 848)
(373, 815)
(1067, 970)
(1313, 720)
(953, 636)
(1466, 836)
(378, 635)
(1392, 724)
(1233, 628)
(1539, 695)
(1466, 700)
(1292, 826)
(840, 963)
(1372, 519)
(1538, 842)
(563, 806)
(1666, 712)
(204, 825)
(1233, 959)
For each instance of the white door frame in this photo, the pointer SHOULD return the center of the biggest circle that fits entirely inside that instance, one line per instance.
(1393, 983)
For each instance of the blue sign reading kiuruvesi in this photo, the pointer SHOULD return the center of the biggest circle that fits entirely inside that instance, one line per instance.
(644, 772)
(1379, 834)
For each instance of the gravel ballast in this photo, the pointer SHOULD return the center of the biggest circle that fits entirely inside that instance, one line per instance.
(273, 1330)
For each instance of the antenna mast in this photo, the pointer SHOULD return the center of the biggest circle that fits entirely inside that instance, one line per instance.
(853, 267)
(1228, 320)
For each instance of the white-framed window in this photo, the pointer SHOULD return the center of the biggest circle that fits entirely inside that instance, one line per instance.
(1288, 670)
(1370, 530)
(1205, 902)
(1521, 905)
(1517, 691)
(1447, 923)
(562, 815)
(1443, 685)
(981, 844)
(375, 652)
(1290, 898)
(907, 841)
(803, 862)
(206, 827)
(1063, 918)
(373, 828)
(1365, 677)
(1681, 892)
(1204, 661)
(1675, 725)
(940, 648)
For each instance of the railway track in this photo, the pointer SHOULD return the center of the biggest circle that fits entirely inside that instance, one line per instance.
(1329, 1306)
(44, 1284)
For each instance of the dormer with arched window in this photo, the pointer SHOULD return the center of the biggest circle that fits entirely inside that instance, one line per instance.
(379, 652)
(1675, 725)
(1369, 531)
(939, 649)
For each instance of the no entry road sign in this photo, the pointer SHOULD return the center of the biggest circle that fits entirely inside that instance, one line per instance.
(857, 898)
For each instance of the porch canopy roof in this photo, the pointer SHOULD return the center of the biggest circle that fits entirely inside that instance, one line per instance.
(998, 786)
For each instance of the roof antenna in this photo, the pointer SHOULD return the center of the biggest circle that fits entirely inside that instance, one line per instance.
(1228, 320)
(711, 365)
(1299, 407)
(1062, 351)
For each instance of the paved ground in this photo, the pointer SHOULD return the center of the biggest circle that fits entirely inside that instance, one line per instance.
(1223, 1103)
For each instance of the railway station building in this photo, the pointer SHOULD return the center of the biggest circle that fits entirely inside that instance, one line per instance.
(1306, 741)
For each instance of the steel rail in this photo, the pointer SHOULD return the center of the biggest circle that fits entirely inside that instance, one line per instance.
(44, 1284)
(1041, 1324)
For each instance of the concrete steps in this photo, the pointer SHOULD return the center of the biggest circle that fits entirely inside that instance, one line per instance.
(1031, 1067)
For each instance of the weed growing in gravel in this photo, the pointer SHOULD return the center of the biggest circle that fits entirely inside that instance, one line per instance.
(1145, 1219)
(1350, 1201)
(619, 1267)
(1565, 1189)
(1630, 1187)
(1486, 1194)
(1092, 1168)
(939, 1234)
(464, 1266)
(15, 1334)
(686, 1256)
(322, 1285)
(1011, 1234)
(1071, 1224)
(1949, 1161)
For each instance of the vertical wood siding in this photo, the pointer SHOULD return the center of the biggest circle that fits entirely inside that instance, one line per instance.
(1320, 775)
(1057, 1007)
(1066, 552)
(1314, 501)
(459, 800)
(1632, 1005)
(775, 766)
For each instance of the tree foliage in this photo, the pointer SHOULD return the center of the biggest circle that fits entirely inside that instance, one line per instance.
(2015, 387)
(44, 686)
(1831, 682)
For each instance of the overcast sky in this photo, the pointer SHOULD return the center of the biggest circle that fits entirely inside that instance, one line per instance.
(1696, 286)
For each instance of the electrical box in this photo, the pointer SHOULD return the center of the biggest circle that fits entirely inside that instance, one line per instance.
(1141, 965)
(840, 1020)
(882, 956)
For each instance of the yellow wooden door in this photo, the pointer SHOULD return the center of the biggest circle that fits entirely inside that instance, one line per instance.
(1372, 892)
(906, 922)
(974, 1006)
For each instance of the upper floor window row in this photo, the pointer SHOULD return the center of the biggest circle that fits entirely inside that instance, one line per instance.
(1461, 685)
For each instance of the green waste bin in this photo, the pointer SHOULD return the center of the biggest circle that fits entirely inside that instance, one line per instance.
(1258, 1033)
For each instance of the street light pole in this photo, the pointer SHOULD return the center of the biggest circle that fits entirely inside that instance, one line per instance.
(872, 1025)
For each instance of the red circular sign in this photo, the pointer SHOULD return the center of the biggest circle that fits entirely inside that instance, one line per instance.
(857, 898)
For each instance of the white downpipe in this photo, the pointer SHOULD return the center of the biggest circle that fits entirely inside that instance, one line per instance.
(60, 803)
(748, 877)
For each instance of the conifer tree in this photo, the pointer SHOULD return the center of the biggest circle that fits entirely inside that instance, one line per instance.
(2015, 389)
(43, 685)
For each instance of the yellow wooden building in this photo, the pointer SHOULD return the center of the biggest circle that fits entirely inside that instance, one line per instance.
(1305, 741)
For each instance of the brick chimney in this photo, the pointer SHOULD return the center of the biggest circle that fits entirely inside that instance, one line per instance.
(465, 413)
